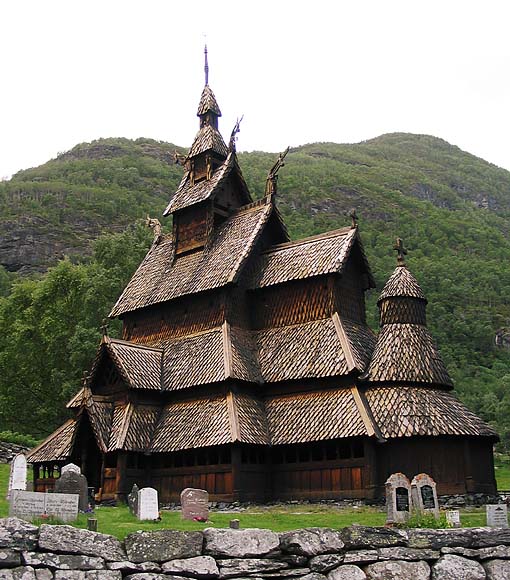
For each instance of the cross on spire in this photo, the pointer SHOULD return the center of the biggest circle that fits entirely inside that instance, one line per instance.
(401, 251)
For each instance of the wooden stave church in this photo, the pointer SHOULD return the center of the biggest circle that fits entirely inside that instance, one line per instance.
(246, 366)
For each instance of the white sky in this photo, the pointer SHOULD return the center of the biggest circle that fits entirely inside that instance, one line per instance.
(300, 72)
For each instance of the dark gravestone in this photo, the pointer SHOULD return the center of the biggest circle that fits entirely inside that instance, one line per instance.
(133, 500)
(427, 496)
(402, 499)
(72, 482)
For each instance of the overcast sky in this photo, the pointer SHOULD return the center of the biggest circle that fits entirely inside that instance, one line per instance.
(300, 72)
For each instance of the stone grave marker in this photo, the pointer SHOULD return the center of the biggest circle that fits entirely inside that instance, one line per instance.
(70, 481)
(453, 518)
(133, 500)
(424, 495)
(63, 506)
(148, 506)
(32, 504)
(195, 504)
(398, 498)
(70, 467)
(27, 504)
(497, 515)
(18, 474)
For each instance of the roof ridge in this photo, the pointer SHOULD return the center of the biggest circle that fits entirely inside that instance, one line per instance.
(366, 414)
(317, 237)
(232, 417)
(250, 206)
(344, 341)
(227, 350)
(134, 345)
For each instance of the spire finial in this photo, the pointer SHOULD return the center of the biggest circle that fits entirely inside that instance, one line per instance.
(206, 66)
(104, 328)
(272, 176)
(354, 218)
(401, 252)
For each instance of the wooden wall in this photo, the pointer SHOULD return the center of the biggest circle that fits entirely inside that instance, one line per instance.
(457, 464)
(180, 317)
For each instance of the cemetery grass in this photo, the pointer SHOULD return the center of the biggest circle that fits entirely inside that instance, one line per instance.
(119, 522)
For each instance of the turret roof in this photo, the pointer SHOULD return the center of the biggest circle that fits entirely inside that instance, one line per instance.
(402, 284)
(208, 103)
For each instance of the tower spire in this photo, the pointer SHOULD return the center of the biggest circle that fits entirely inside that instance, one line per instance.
(206, 66)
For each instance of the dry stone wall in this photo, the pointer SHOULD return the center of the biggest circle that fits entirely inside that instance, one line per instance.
(354, 553)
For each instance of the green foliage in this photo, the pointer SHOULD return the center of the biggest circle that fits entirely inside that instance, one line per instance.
(49, 330)
(18, 438)
(417, 520)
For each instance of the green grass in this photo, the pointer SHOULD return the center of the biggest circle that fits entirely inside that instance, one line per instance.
(119, 522)
(502, 465)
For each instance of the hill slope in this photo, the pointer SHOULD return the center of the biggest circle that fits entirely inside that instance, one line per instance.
(451, 208)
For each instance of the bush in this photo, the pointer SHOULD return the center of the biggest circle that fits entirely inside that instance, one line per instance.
(18, 438)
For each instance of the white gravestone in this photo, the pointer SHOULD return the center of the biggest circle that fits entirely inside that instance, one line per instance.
(497, 515)
(18, 474)
(148, 507)
(453, 518)
(398, 498)
(32, 504)
(70, 467)
(424, 495)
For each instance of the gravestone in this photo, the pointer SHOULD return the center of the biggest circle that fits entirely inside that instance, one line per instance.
(398, 498)
(32, 504)
(70, 467)
(497, 515)
(453, 518)
(133, 500)
(148, 506)
(195, 504)
(72, 482)
(18, 474)
(424, 495)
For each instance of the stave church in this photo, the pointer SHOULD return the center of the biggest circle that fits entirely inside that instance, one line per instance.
(246, 366)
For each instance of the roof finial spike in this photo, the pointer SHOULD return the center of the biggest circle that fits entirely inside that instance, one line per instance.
(104, 328)
(233, 135)
(401, 252)
(272, 176)
(354, 218)
(206, 66)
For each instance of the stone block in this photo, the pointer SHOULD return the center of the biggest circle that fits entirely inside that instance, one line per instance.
(63, 561)
(198, 567)
(248, 543)
(372, 538)
(497, 569)
(453, 567)
(163, 545)
(398, 570)
(325, 562)
(311, 541)
(18, 534)
(347, 572)
(234, 567)
(77, 541)
(9, 558)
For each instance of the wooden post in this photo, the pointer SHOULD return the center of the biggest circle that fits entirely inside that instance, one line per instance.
(468, 468)
(120, 476)
(92, 524)
(236, 472)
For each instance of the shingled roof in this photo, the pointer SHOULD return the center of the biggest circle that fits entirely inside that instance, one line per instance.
(208, 139)
(139, 366)
(208, 103)
(161, 276)
(320, 348)
(57, 446)
(305, 417)
(402, 284)
(406, 411)
(407, 353)
(323, 254)
(189, 193)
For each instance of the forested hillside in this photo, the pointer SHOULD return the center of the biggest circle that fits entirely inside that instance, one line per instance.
(451, 208)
